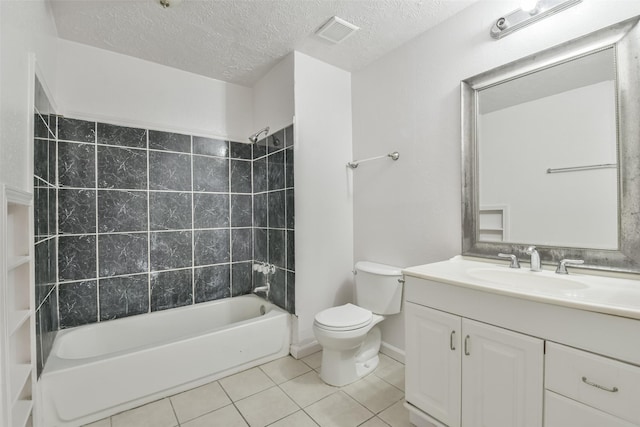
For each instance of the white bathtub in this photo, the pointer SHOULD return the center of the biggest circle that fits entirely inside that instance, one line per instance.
(101, 369)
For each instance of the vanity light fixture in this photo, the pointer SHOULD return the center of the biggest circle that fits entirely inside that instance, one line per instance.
(529, 12)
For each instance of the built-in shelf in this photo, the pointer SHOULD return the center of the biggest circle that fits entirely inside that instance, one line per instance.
(493, 223)
(17, 319)
(18, 261)
(17, 327)
(21, 413)
(18, 376)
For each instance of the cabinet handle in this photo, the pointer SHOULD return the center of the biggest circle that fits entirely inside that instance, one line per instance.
(601, 387)
(466, 346)
(452, 343)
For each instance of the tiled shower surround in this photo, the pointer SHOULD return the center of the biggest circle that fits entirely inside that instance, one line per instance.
(150, 220)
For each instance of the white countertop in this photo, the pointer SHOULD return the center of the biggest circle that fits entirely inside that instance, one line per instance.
(598, 293)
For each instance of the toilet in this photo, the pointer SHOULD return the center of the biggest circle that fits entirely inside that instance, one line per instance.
(348, 333)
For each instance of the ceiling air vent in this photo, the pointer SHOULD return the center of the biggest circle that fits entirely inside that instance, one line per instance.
(336, 30)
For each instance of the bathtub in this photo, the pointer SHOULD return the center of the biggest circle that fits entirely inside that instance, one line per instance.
(97, 370)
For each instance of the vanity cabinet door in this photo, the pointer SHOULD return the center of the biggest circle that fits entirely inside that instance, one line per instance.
(433, 362)
(502, 377)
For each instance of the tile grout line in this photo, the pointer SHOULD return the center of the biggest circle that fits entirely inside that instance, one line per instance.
(148, 194)
(95, 136)
(193, 233)
(286, 234)
(174, 411)
(57, 242)
(155, 271)
(232, 401)
(230, 218)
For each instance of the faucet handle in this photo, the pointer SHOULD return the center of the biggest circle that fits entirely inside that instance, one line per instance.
(562, 265)
(530, 250)
(514, 260)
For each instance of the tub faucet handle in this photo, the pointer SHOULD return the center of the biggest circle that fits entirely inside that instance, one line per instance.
(514, 260)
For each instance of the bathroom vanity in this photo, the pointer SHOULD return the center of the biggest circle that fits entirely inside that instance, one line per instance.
(487, 345)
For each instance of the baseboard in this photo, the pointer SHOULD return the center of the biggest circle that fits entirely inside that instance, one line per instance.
(419, 418)
(301, 350)
(393, 352)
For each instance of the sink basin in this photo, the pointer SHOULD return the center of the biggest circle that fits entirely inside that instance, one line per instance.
(618, 294)
(540, 281)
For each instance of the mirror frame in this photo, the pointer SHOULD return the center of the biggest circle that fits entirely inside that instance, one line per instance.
(624, 38)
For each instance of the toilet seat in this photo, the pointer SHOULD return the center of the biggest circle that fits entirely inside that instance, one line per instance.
(343, 318)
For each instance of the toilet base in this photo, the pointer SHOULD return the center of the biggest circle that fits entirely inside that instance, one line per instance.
(342, 367)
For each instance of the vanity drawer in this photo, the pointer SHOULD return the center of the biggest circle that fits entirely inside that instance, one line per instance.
(600, 382)
(560, 411)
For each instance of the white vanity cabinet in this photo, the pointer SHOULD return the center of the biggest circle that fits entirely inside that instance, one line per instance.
(599, 391)
(478, 355)
(467, 373)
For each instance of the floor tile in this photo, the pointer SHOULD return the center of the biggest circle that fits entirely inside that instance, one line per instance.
(307, 389)
(198, 401)
(284, 369)
(155, 414)
(106, 422)
(375, 422)
(224, 417)
(266, 407)
(391, 371)
(396, 416)
(338, 410)
(297, 419)
(313, 360)
(374, 393)
(246, 383)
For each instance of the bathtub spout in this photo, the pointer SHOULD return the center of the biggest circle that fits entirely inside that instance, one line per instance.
(266, 288)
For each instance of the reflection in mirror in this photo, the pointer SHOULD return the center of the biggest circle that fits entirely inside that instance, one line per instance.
(547, 156)
(551, 155)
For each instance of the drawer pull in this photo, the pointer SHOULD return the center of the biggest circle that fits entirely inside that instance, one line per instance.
(452, 344)
(601, 387)
(466, 346)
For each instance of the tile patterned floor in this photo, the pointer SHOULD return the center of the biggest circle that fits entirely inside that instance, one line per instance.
(283, 393)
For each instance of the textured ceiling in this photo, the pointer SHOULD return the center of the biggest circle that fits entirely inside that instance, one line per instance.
(238, 41)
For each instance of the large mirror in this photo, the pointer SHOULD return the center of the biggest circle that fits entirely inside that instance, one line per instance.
(551, 153)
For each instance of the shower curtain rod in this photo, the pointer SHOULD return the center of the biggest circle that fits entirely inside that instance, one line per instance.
(354, 164)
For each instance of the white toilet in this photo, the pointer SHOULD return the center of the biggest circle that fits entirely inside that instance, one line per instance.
(348, 333)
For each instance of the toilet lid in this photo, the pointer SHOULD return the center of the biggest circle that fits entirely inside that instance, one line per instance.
(344, 317)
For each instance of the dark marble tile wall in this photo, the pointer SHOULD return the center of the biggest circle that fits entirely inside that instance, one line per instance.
(151, 220)
(45, 230)
(273, 214)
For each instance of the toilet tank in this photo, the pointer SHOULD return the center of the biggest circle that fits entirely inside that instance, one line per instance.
(378, 287)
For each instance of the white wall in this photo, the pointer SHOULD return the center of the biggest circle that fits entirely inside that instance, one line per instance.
(100, 85)
(323, 204)
(26, 27)
(273, 98)
(408, 212)
(573, 128)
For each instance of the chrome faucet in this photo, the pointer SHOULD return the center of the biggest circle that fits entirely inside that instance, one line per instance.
(562, 265)
(514, 260)
(535, 258)
(266, 288)
(266, 270)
